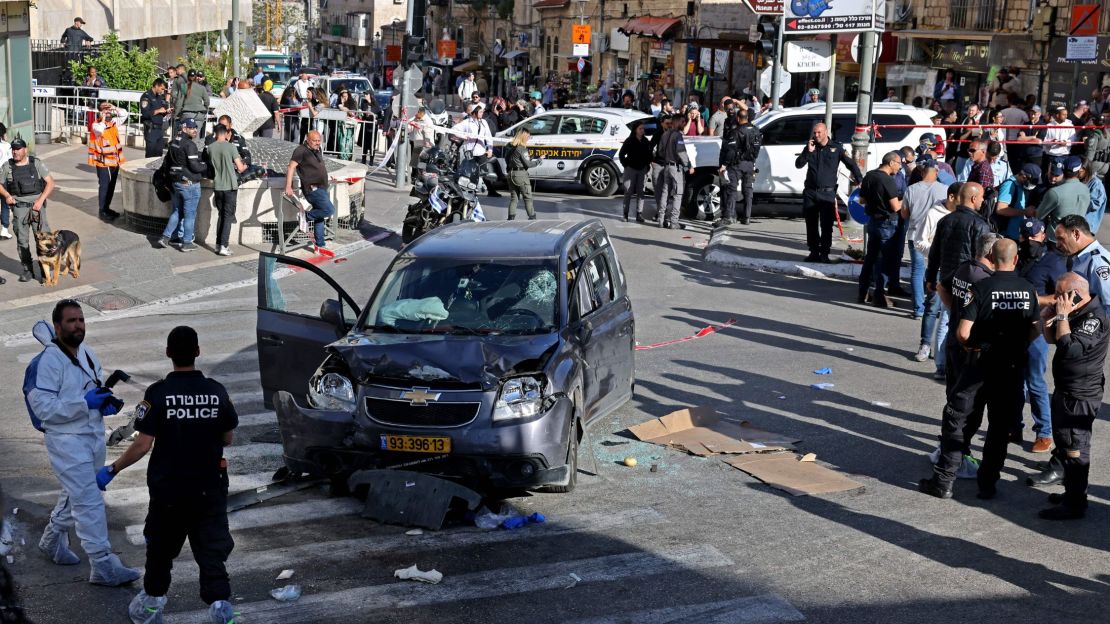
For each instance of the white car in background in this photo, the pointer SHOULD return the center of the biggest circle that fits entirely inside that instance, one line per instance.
(578, 145)
(785, 133)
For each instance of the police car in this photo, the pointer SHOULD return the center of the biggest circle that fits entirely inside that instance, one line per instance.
(785, 134)
(578, 145)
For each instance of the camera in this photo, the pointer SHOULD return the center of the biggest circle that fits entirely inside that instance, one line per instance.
(116, 377)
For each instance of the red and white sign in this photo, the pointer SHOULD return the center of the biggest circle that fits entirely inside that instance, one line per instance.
(765, 7)
(1084, 20)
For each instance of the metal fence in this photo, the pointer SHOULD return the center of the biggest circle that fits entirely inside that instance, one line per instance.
(50, 60)
(66, 112)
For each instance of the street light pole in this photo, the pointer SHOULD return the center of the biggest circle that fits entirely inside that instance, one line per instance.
(776, 71)
(235, 38)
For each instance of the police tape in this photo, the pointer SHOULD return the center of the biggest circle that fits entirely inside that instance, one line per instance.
(703, 332)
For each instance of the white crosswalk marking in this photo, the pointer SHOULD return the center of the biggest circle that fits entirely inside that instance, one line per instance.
(477, 585)
(272, 515)
(121, 497)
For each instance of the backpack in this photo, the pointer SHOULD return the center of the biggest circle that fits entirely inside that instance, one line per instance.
(163, 186)
(752, 142)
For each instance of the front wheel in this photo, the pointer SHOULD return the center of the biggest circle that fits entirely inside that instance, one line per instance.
(600, 179)
(572, 465)
(705, 197)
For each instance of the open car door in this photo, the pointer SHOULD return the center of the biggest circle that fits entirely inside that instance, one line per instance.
(300, 311)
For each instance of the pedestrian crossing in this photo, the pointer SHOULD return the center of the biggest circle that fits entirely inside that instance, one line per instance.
(345, 564)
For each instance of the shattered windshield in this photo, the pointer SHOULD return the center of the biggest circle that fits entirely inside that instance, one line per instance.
(439, 295)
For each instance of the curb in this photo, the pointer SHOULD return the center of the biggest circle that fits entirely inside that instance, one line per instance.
(721, 251)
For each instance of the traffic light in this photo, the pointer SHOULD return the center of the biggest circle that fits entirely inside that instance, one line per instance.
(768, 36)
(412, 50)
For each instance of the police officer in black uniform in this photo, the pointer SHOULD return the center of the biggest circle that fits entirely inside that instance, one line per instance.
(823, 157)
(236, 138)
(1078, 326)
(740, 146)
(997, 324)
(192, 419)
(155, 110)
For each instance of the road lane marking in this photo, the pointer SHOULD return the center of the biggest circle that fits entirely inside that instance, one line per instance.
(765, 609)
(477, 585)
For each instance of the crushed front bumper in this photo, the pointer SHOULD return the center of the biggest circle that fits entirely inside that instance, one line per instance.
(334, 444)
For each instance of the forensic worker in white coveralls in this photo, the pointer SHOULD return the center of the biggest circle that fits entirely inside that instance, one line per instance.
(64, 392)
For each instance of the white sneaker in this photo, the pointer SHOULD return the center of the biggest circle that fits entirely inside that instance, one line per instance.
(223, 251)
(4, 233)
(923, 353)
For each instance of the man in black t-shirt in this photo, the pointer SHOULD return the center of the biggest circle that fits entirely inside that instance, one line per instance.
(192, 419)
(1078, 326)
(997, 324)
(882, 201)
(307, 163)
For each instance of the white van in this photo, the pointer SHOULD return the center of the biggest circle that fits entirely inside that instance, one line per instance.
(785, 133)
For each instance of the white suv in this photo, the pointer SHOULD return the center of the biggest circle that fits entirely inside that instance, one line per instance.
(785, 133)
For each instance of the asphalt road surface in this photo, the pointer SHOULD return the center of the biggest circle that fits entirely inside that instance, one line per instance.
(694, 541)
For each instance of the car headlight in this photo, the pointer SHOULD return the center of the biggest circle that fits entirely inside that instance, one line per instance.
(332, 391)
(520, 397)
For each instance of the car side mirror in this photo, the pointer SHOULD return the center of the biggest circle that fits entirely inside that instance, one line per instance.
(332, 312)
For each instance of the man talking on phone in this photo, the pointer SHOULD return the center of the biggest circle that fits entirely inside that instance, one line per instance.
(823, 157)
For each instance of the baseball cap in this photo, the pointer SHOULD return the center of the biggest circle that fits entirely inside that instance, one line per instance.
(1031, 227)
(1031, 171)
(536, 95)
(1057, 169)
(1035, 108)
(189, 123)
(19, 144)
(929, 139)
(926, 162)
(200, 74)
(1073, 164)
(192, 73)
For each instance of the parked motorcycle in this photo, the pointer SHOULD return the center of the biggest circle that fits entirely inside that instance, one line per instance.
(443, 195)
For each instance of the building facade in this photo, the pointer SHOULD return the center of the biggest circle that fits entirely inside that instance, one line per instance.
(160, 24)
(15, 69)
(349, 32)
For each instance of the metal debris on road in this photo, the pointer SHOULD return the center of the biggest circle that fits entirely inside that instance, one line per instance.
(289, 593)
(413, 573)
(411, 498)
(285, 574)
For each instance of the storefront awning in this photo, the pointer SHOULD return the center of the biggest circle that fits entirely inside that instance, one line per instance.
(550, 4)
(514, 54)
(467, 66)
(657, 27)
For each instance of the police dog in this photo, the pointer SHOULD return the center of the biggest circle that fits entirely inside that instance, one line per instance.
(58, 251)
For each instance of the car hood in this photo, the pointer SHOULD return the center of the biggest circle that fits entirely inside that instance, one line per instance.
(431, 358)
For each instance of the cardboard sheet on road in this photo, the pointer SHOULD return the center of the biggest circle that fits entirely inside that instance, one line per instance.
(703, 431)
(787, 472)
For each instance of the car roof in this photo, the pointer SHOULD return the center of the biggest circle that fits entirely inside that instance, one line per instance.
(501, 240)
(850, 107)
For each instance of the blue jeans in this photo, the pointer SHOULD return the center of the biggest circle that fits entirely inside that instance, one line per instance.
(322, 208)
(1039, 398)
(183, 217)
(918, 298)
(881, 253)
(939, 352)
(894, 265)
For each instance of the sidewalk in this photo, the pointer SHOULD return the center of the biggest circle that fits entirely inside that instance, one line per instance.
(121, 269)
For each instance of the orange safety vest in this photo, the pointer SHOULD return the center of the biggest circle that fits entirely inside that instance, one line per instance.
(106, 150)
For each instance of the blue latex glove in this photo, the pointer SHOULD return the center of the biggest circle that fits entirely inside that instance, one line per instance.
(108, 409)
(95, 398)
(104, 477)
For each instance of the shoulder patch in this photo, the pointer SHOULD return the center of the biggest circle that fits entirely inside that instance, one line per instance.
(1089, 326)
(1103, 272)
(141, 410)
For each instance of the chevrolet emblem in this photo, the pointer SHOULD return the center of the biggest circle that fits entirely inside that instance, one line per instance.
(419, 396)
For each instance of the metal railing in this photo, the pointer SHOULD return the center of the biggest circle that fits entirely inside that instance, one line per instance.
(50, 60)
(978, 15)
(61, 111)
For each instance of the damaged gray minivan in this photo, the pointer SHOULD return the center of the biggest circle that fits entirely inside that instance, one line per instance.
(482, 356)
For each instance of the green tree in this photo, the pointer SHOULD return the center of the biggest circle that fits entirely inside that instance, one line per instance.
(131, 70)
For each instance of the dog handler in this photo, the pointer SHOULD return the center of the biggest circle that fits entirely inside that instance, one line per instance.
(68, 398)
(25, 184)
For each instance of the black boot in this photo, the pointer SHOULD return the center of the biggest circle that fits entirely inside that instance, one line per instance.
(28, 264)
(932, 487)
(1049, 476)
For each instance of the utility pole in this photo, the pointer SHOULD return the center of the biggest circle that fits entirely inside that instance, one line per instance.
(776, 75)
(413, 25)
(832, 85)
(235, 53)
(868, 51)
